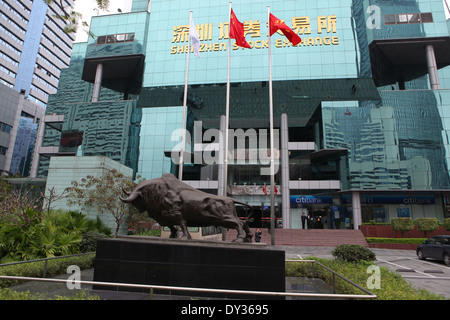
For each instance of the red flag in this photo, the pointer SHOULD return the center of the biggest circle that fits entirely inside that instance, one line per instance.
(276, 24)
(237, 31)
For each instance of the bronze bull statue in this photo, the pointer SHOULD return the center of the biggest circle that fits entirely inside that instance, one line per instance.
(172, 202)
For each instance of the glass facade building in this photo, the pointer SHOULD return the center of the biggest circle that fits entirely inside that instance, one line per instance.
(19, 120)
(360, 105)
(33, 46)
(33, 50)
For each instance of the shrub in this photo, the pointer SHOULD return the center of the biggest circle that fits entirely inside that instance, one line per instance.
(353, 253)
(54, 233)
(402, 225)
(446, 224)
(8, 294)
(36, 269)
(426, 225)
(89, 241)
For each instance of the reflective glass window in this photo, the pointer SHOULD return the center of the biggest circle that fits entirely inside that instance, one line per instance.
(101, 40)
(389, 19)
(426, 17)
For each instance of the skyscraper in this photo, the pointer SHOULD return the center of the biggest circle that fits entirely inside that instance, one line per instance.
(33, 46)
(33, 50)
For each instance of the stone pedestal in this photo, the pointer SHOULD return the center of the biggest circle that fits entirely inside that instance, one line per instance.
(200, 264)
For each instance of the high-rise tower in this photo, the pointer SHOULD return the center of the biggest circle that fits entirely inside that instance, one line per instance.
(33, 46)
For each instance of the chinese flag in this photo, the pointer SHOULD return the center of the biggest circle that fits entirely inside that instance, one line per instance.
(237, 31)
(276, 24)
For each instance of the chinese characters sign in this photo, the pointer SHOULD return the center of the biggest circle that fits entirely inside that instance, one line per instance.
(320, 31)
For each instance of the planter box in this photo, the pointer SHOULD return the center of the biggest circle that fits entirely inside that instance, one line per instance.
(194, 264)
(385, 231)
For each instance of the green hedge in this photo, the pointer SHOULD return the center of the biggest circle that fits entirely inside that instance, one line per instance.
(373, 223)
(55, 267)
(396, 240)
(8, 294)
(446, 224)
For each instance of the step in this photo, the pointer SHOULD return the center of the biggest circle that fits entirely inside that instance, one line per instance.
(312, 237)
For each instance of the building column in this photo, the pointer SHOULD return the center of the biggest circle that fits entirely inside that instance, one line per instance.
(52, 120)
(432, 67)
(356, 208)
(13, 133)
(38, 144)
(284, 154)
(97, 83)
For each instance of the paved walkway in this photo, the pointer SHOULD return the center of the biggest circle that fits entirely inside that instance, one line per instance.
(431, 275)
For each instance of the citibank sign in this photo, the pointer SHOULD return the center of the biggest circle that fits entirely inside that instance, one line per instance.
(299, 200)
(365, 199)
(392, 199)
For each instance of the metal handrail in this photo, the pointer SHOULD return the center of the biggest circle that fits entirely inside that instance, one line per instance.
(151, 286)
(339, 275)
(369, 295)
(46, 260)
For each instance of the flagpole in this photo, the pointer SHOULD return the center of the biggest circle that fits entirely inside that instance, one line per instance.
(183, 132)
(227, 117)
(272, 161)
(227, 111)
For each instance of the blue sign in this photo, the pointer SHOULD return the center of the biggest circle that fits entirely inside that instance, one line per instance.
(391, 199)
(403, 213)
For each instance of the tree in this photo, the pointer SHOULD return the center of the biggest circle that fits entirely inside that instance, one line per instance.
(72, 19)
(20, 209)
(102, 194)
(5, 188)
(50, 198)
(139, 222)
(402, 225)
(19, 215)
(426, 225)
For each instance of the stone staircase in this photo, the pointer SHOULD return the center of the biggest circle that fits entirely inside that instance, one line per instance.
(311, 237)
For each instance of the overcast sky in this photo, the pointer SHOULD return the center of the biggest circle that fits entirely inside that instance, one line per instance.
(88, 8)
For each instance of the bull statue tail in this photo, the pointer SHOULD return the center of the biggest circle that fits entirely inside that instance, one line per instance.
(249, 217)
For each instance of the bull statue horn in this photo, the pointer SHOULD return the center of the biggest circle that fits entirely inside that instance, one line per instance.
(126, 192)
(131, 196)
